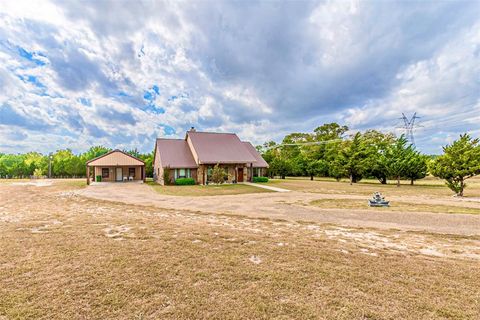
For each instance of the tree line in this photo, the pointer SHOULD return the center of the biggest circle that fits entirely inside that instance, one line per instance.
(64, 163)
(328, 152)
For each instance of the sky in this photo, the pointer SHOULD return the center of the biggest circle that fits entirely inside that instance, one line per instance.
(122, 73)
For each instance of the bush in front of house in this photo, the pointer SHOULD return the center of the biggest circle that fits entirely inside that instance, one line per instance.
(218, 174)
(260, 179)
(185, 181)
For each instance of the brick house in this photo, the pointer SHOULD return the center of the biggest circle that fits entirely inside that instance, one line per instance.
(197, 154)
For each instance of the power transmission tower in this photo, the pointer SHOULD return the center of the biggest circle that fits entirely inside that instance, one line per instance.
(409, 126)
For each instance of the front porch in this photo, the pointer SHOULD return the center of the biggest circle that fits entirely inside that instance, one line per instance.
(234, 173)
(115, 166)
(115, 173)
(105, 183)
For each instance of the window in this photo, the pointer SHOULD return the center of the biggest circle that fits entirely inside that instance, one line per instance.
(105, 172)
(182, 173)
(131, 172)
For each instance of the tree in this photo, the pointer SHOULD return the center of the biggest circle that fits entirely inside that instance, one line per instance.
(352, 159)
(397, 157)
(416, 167)
(94, 152)
(218, 174)
(459, 162)
(377, 144)
(13, 165)
(329, 131)
(148, 159)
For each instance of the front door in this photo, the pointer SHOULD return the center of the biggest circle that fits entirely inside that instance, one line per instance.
(240, 175)
(119, 174)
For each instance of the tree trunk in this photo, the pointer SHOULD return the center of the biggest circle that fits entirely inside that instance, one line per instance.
(351, 179)
(398, 181)
(283, 176)
(462, 186)
(383, 180)
(311, 177)
(411, 181)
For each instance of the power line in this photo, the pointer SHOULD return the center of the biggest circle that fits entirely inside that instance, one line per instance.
(299, 144)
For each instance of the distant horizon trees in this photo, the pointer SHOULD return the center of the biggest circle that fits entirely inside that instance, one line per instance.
(64, 163)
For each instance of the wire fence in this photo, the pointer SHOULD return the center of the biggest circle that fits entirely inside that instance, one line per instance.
(42, 177)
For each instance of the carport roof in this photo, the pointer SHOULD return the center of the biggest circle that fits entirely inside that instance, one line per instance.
(116, 158)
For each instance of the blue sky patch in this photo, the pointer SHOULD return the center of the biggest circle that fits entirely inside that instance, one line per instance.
(168, 130)
(31, 56)
(85, 102)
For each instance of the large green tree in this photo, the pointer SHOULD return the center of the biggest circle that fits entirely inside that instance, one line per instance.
(416, 167)
(459, 162)
(353, 158)
(397, 157)
(377, 144)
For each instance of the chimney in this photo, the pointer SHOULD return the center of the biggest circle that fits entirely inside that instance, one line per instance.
(192, 129)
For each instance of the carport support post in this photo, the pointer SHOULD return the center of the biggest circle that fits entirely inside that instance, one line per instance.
(88, 175)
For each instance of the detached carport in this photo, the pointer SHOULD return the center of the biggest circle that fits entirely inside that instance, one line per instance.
(116, 166)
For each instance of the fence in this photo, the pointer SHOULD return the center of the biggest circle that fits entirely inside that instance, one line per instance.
(42, 177)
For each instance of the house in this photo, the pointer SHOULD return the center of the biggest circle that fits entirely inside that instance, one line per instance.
(116, 165)
(197, 154)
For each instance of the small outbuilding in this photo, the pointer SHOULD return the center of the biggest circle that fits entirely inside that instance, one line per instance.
(116, 166)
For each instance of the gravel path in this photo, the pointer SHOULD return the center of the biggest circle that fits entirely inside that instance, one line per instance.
(293, 206)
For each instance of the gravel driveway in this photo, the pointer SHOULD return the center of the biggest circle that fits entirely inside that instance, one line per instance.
(293, 206)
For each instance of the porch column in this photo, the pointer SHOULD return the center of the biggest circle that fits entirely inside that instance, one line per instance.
(143, 173)
(251, 172)
(88, 174)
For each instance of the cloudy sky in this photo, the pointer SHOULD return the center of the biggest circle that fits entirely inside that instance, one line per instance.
(122, 73)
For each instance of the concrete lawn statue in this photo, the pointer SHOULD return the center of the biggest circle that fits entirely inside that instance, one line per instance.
(378, 201)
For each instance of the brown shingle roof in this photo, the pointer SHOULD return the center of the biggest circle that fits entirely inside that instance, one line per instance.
(213, 148)
(261, 163)
(175, 153)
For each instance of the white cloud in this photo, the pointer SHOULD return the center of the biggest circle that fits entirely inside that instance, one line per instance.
(259, 69)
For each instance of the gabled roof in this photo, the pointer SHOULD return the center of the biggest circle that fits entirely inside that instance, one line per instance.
(175, 153)
(116, 158)
(213, 148)
(261, 163)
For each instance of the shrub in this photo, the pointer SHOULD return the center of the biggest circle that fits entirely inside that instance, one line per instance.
(37, 173)
(260, 179)
(185, 181)
(218, 174)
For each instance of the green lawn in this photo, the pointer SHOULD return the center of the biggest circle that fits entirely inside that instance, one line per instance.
(210, 190)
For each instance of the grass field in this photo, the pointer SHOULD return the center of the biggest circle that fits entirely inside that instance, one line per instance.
(394, 206)
(428, 187)
(210, 190)
(67, 257)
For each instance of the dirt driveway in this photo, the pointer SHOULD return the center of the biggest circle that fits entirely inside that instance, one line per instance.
(294, 206)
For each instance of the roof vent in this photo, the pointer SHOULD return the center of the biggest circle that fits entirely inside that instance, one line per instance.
(192, 129)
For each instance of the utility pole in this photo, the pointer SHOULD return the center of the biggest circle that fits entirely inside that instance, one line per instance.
(409, 126)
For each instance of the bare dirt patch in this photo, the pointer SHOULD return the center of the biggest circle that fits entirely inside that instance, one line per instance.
(182, 264)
